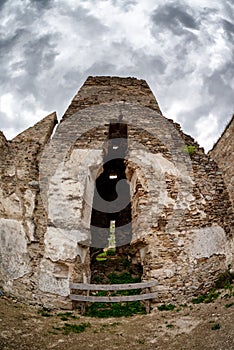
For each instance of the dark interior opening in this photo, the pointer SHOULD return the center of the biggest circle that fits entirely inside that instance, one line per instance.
(111, 228)
(115, 209)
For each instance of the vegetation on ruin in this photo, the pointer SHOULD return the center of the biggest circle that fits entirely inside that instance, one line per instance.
(224, 281)
(190, 149)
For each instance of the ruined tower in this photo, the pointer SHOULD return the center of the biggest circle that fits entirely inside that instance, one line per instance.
(176, 215)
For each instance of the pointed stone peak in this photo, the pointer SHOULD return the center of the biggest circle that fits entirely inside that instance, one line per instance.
(40, 132)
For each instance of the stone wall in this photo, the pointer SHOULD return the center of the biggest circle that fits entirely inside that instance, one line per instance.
(223, 154)
(22, 215)
(182, 216)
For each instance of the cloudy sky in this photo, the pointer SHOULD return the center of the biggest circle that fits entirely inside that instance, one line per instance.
(184, 49)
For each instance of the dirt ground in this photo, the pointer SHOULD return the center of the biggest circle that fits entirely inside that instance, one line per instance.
(200, 327)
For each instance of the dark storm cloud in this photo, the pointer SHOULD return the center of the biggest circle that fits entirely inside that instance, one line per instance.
(41, 4)
(229, 28)
(86, 24)
(174, 17)
(151, 67)
(149, 64)
(218, 100)
(178, 20)
(2, 3)
(101, 68)
(218, 85)
(8, 42)
(39, 54)
(137, 62)
(126, 4)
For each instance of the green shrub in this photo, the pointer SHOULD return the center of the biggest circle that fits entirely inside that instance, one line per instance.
(229, 305)
(206, 298)
(68, 328)
(124, 277)
(111, 252)
(170, 325)
(168, 307)
(65, 315)
(215, 327)
(102, 256)
(97, 279)
(45, 312)
(190, 149)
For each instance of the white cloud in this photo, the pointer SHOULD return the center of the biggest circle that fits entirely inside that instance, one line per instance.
(206, 129)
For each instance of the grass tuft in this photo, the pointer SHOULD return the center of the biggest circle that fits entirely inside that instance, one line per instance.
(68, 328)
(206, 298)
(166, 307)
(215, 327)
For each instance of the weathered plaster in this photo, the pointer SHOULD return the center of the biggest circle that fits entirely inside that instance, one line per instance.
(49, 283)
(206, 241)
(14, 255)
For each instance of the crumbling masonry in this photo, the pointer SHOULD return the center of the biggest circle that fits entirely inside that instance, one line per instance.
(182, 214)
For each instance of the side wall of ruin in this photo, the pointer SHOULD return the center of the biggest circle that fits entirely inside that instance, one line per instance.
(23, 219)
(223, 154)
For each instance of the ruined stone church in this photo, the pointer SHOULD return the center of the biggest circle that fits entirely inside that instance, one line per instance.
(116, 174)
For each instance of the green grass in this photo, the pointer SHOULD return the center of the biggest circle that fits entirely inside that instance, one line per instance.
(166, 307)
(68, 328)
(206, 298)
(123, 278)
(44, 312)
(215, 327)
(105, 254)
(229, 305)
(64, 316)
(102, 256)
(104, 310)
(97, 279)
(111, 252)
(170, 325)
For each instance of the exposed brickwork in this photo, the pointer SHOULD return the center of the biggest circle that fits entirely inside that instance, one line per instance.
(98, 90)
(223, 154)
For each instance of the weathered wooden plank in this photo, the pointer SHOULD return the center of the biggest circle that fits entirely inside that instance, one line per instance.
(127, 286)
(116, 299)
